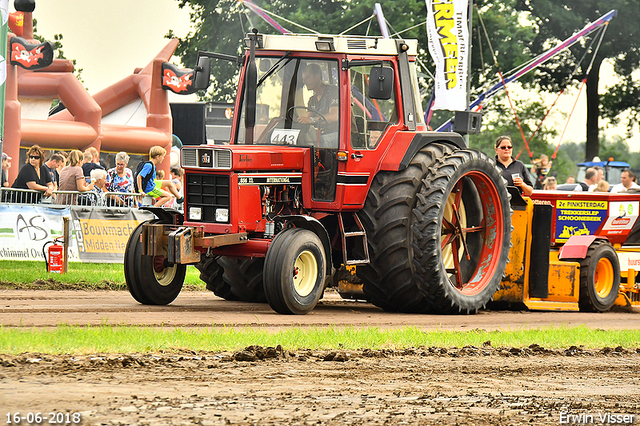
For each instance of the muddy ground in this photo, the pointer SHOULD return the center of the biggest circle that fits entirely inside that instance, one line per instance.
(270, 386)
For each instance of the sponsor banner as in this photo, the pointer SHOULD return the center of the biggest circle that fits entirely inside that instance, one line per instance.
(102, 234)
(448, 41)
(96, 234)
(24, 230)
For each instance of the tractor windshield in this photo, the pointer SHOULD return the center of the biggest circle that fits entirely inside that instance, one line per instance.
(297, 103)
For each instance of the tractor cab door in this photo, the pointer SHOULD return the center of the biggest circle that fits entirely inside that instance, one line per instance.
(317, 113)
(370, 120)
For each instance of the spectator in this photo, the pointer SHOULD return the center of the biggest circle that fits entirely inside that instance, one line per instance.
(541, 168)
(120, 179)
(91, 161)
(550, 184)
(602, 186)
(627, 182)
(96, 196)
(33, 175)
(6, 165)
(176, 178)
(599, 176)
(52, 166)
(589, 179)
(571, 179)
(146, 179)
(514, 171)
(72, 178)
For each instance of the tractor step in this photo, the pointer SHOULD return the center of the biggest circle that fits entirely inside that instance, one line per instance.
(354, 238)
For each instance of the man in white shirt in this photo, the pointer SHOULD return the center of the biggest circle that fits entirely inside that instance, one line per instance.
(628, 181)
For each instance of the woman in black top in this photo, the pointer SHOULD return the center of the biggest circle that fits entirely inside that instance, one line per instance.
(33, 176)
(514, 171)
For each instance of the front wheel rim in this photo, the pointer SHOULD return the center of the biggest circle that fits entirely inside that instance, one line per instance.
(164, 275)
(305, 273)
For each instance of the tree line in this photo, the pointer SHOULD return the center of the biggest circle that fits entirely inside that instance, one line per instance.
(517, 30)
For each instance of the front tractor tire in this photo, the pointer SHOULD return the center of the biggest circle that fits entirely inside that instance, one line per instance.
(294, 271)
(149, 279)
(438, 233)
(599, 278)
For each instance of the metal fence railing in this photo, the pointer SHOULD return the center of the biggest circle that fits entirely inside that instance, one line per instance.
(74, 198)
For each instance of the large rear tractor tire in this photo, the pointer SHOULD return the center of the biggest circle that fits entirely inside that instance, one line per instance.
(149, 279)
(599, 278)
(462, 232)
(244, 278)
(295, 271)
(447, 211)
(211, 273)
(234, 279)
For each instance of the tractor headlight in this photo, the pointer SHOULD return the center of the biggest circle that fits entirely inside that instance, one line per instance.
(222, 215)
(195, 213)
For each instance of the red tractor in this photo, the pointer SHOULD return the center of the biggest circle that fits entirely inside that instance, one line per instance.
(330, 163)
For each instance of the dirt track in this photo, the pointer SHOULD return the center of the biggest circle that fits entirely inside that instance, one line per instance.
(481, 386)
(200, 309)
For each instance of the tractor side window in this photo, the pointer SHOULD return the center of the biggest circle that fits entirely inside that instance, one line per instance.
(369, 117)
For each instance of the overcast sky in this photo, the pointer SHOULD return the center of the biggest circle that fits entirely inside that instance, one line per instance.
(110, 38)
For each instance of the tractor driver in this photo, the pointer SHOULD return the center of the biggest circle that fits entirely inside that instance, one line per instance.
(324, 101)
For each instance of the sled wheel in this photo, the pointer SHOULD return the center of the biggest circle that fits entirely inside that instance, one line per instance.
(599, 278)
(463, 241)
(244, 278)
(149, 279)
(295, 270)
(211, 274)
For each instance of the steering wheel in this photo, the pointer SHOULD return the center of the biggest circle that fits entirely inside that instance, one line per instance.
(266, 133)
(316, 124)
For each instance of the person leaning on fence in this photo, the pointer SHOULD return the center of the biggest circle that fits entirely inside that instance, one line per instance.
(6, 165)
(72, 178)
(120, 179)
(52, 167)
(33, 176)
(96, 196)
(146, 179)
(91, 161)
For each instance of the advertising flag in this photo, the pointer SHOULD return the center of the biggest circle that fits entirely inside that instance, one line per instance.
(448, 33)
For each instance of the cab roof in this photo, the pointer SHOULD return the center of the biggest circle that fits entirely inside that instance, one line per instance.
(332, 43)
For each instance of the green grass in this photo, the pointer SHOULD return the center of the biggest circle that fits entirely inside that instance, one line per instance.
(17, 274)
(116, 339)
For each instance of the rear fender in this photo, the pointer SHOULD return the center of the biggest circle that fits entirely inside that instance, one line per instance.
(422, 139)
(577, 246)
(314, 225)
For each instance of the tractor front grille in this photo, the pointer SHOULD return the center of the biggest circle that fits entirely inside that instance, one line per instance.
(208, 192)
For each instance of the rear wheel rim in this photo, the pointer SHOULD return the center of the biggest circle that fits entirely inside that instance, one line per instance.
(455, 233)
(305, 273)
(603, 277)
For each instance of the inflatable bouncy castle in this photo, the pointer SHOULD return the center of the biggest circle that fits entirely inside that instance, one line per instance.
(131, 115)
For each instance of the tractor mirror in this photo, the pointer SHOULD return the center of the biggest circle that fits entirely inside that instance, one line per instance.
(202, 73)
(380, 82)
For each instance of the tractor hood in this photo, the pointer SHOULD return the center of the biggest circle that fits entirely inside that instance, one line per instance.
(243, 157)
